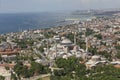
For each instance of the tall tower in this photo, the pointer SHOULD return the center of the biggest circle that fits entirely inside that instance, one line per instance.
(20, 29)
(75, 38)
(86, 40)
(55, 49)
(47, 46)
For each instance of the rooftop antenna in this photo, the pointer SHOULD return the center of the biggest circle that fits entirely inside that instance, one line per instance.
(20, 29)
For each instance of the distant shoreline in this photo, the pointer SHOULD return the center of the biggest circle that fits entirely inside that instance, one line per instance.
(12, 22)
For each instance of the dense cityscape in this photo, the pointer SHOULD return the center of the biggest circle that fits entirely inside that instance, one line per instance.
(82, 50)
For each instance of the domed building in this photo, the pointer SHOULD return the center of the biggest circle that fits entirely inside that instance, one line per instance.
(67, 43)
(96, 58)
(95, 61)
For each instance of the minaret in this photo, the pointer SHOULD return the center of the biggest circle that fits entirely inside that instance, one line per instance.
(20, 29)
(75, 38)
(29, 29)
(86, 45)
(47, 47)
(55, 49)
(86, 41)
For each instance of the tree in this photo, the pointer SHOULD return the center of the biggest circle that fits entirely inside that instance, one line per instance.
(80, 69)
(107, 72)
(81, 43)
(59, 73)
(22, 70)
(37, 68)
(105, 54)
(118, 55)
(41, 48)
(2, 78)
(69, 65)
(89, 31)
(61, 63)
(99, 36)
(13, 76)
(93, 50)
(70, 36)
(0, 58)
(31, 58)
(18, 68)
(117, 47)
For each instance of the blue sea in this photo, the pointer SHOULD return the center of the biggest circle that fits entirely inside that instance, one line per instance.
(13, 22)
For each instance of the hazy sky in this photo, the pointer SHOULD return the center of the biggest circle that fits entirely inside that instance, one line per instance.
(55, 5)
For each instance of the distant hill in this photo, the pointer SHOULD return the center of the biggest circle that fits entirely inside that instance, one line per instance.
(96, 12)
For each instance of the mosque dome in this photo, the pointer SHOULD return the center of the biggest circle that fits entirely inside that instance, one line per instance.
(96, 58)
(66, 41)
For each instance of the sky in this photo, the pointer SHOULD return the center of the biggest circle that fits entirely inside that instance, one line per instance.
(13, 6)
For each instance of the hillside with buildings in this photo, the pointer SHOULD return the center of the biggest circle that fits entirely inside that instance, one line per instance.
(88, 50)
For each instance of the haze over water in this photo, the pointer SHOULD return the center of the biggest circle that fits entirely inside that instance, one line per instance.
(14, 22)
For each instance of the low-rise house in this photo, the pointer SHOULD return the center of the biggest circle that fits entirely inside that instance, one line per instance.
(94, 61)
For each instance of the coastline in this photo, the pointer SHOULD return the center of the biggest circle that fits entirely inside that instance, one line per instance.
(14, 22)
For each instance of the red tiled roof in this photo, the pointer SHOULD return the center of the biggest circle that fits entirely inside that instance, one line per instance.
(117, 66)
